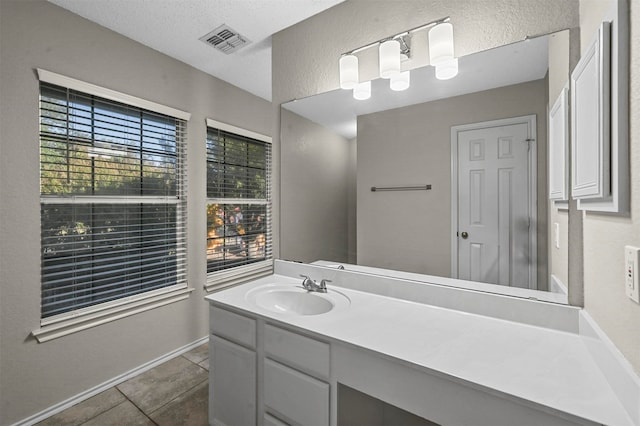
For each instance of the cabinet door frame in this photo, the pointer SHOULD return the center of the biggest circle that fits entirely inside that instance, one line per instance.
(619, 199)
(559, 147)
(590, 120)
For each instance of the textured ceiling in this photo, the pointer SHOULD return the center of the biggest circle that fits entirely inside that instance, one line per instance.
(174, 27)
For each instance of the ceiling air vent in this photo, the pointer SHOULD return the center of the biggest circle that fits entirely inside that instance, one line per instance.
(225, 39)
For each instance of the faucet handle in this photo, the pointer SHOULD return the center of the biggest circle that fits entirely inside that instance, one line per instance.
(308, 283)
(323, 284)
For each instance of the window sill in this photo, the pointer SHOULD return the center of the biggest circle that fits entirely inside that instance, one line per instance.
(82, 319)
(220, 280)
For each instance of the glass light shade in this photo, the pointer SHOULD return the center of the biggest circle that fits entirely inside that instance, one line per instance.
(389, 58)
(400, 81)
(362, 91)
(348, 71)
(441, 43)
(447, 70)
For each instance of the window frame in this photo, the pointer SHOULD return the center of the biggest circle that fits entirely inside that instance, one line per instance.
(62, 324)
(219, 280)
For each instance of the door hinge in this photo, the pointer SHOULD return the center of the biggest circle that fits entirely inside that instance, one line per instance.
(528, 141)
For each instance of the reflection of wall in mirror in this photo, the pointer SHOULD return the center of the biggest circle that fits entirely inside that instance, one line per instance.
(319, 165)
(410, 231)
(559, 60)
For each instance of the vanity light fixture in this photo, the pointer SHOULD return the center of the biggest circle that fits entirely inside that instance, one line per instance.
(389, 59)
(402, 80)
(348, 71)
(447, 70)
(441, 43)
(441, 54)
(362, 91)
(390, 51)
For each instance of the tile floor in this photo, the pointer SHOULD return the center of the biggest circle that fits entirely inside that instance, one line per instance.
(173, 393)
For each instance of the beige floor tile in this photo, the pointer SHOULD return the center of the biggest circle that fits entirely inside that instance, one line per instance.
(189, 409)
(86, 409)
(158, 386)
(197, 355)
(125, 414)
(204, 364)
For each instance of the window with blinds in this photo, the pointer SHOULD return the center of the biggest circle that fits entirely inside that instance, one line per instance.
(113, 204)
(238, 207)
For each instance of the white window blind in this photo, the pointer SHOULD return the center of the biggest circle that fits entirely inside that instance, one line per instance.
(238, 206)
(113, 200)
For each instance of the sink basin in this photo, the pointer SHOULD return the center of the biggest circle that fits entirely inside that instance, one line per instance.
(294, 300)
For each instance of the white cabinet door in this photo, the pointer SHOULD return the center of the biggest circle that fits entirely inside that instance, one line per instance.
(232, 383)
(590, 121)
(559, 147)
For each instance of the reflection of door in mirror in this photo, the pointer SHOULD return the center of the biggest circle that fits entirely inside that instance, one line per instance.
(412, 231)
(492, 197)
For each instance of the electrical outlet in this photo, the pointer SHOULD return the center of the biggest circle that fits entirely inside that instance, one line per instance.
(631, 272)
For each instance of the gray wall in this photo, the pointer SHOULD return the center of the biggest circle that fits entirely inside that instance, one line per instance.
(411, 231)
(37, 34)
(605, 235)
(352, 209)
(318, 163)
(559, 45)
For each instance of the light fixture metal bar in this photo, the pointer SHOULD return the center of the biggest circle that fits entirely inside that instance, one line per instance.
(403, 33)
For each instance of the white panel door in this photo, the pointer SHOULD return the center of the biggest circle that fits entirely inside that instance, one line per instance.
(493, 205)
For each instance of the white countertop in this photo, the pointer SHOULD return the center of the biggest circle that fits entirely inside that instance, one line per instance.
(548, 367)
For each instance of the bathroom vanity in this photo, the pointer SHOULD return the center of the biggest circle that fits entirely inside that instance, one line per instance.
(278, 354)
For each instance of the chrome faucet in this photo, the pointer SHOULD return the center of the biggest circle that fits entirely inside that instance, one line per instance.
(311, 285)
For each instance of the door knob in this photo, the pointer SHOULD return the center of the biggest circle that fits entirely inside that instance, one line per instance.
(464, 235)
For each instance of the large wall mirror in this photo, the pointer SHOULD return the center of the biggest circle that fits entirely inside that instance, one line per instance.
(477, 141)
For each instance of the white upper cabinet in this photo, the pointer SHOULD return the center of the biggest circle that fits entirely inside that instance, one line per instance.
(590, 99)
(559, 147)
(600, 119)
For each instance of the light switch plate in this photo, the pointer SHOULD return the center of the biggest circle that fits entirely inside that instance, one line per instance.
(631, 272)
(556, 234)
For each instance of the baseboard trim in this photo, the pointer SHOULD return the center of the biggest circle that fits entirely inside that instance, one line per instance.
(61, 406)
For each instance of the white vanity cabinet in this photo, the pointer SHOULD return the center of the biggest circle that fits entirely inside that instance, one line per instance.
(273, 368)
(233, 369)
(262, 374)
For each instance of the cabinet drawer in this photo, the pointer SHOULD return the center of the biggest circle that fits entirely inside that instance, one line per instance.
(297, 351)
(232, 326)
(294, 395)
